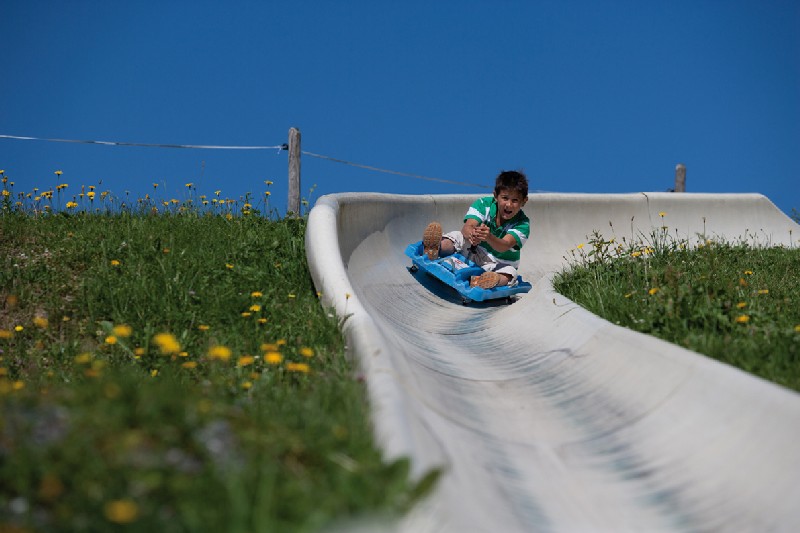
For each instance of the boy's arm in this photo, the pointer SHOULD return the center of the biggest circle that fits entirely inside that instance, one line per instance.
(472, 232)
(501, 245)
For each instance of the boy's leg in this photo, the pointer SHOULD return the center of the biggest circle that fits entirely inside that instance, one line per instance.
(497, 275)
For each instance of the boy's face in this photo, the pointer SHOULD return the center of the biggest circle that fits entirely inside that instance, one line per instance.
(509, 202)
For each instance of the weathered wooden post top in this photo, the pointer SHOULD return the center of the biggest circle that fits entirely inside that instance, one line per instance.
(293, 205)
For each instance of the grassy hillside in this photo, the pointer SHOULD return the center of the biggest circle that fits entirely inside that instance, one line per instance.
(173, 370)
(733, 302)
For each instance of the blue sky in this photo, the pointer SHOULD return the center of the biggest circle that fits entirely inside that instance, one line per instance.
(585, 96)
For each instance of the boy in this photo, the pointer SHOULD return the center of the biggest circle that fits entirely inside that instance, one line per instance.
(495, 228)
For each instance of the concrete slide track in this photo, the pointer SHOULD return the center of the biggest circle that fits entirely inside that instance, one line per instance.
(543, 416)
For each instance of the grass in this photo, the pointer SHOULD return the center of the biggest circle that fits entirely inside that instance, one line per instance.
(736, 303)
(170, 368)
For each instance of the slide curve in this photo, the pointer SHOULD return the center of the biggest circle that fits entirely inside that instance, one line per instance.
(543, 416)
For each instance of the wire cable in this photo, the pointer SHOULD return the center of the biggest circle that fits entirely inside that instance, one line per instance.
(376, 169)
(147, 145)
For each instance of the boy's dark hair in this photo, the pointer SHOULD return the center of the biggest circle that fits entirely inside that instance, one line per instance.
(511, 180)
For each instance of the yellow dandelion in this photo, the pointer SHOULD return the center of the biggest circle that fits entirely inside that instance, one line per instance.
(256, 294)
(742, 282)
(139, 351)
(748, 272)
(58, 172)
(269, 347)
(154, 373)
(255, 308)
(741, 305)
(229, 266)
(743, 319)
(167, 343)
(797, 328)
(84, 358)
(90, 195)
(203, 327)
(247, 385)
(763, 291)
(262, 320)
(629, 295)
(273, 358)
(183, 354)
(72, 205)
(219, 353)
(111, 339)
(18, 385)
(122, 511)
(298, 367)
(291, 295)
(281, 342)
(122, 330)
(653, 291)
(115, 263)
(246, 360)
(6, 334)
(662, 214)
(246, 314)
(189, 364)
(18, 328)
(581, 245)
(189, 185)
(40, 322)
(165, 251)
(305, 351)
(636, 253)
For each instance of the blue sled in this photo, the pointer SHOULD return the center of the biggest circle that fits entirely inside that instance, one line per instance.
(455, 271)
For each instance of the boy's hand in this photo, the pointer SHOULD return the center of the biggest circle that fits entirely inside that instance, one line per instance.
(478, 234)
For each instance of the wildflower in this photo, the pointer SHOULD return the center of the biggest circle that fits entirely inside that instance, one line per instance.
(165, 251)
(291, 295)
(742, 282)
(18, 385)
(256, 294)
(189, 185)
(273, 358)
(268, 182)
(797, 328)
(246, 314)
(267, 193)
(111, 339)
(629, 295)
(115, 263)
(742, 319)
(636, 253)
(305, 351)
(748, 272)
(662, 214)
(154, 373)
(122, 511)
(183, 354)
(219, 353)
(84, 358)
(58, 172)
(122, 330)
(155, 185)
(203, 327)
(269, 347)
(763, 291)
(581, 245)
(229, 266)
(247, 385)
(167, 343)
(189, 365)
(90, 195)
(217, 193)
(6, 334)
(653, 291)
(255, 308)
(281, 342)
(262, 320)
(18, 328)
(298, 367)
(70, 205)
(246, 360)
(229, 216)
(40, 322)
(741, 305)
(139, 351)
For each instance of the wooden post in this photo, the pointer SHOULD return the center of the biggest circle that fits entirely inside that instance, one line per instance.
(680, 177)
(293, 205)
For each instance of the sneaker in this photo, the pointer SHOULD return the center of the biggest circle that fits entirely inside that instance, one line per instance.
(487, 280)
(431, 240)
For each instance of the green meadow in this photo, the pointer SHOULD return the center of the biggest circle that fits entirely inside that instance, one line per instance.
(732, 301)
(166, 365)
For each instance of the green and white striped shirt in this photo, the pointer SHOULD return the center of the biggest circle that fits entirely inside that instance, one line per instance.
(484, 210)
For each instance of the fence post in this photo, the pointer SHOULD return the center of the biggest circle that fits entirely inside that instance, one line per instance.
(293, 205)
(680, 177)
